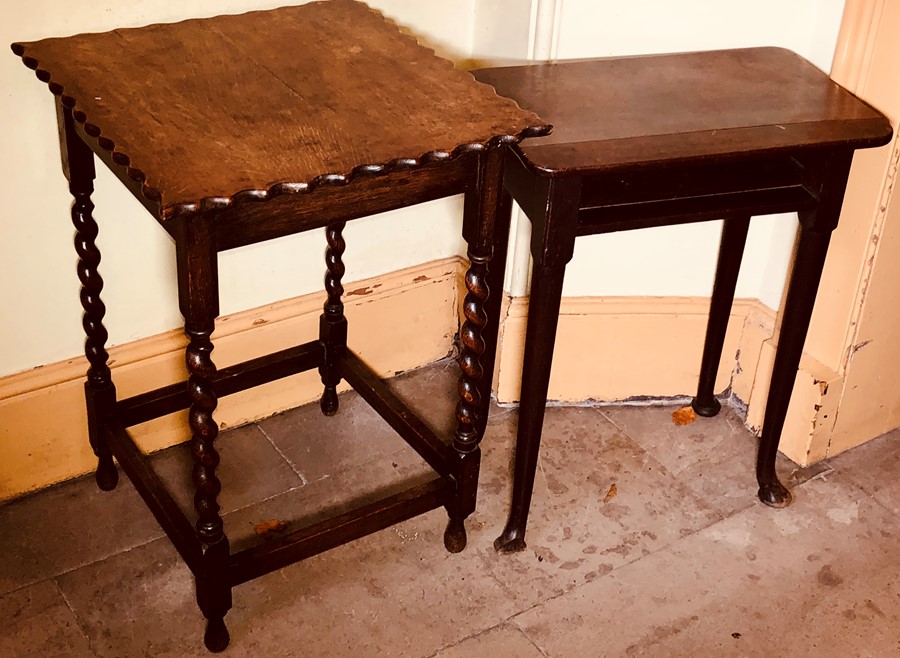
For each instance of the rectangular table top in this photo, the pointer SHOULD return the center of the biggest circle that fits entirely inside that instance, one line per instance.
(637, 110)
(268, 102)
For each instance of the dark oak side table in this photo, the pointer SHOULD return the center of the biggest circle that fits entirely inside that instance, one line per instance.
(671, 139)
(239, 129)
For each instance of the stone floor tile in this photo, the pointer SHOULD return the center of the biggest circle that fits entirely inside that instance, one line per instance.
(250, 469)
(754, 584)
(67, 526)
(680, 561)
(319, 447)
(504, 641)
(137, 603)
(329, 496)
(394, 593)
(715, 457)
(37, 622)
(600, 501)
(875, 466)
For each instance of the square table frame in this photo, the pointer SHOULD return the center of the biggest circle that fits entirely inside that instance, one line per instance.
(473, 170)
(239, 129)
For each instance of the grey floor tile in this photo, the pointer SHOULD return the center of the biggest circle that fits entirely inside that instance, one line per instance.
(250, 469)
(326, 497)
(67, 526)
(37, 622)
(600, 501)
(715, 457)
(760, 583)
(394, 593)
(504, 641)
(137, 603)
(319, 447)
(680, 561)
(875, 466)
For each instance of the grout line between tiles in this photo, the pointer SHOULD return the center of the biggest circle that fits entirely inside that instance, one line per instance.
(161, 535)
(530, 640)
(81, 629)
(293, 466)
(611, 421)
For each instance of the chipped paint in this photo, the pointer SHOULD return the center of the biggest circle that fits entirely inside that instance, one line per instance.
(856, 348)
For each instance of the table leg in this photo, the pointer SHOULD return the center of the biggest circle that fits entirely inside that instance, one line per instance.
(99, 391)
(483, 203)
(731, 249)
(829, 175)
(198, 299)
(467, 438)
(332, 323)
(812, 246)
(495, 277)
(552, 244)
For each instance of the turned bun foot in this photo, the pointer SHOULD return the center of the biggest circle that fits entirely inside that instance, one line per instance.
(329, 402)
(775, 495)
(216, 637)
(707, 408)
(511, 540)
(455, 536)
(107, 475)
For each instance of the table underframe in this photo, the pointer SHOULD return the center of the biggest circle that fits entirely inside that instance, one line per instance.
(474, 170)
(733, 187)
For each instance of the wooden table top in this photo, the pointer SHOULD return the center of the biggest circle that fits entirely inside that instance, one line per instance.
(640, 110)
(268, 102)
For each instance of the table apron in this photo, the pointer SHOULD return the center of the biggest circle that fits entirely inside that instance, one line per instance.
(250, 222)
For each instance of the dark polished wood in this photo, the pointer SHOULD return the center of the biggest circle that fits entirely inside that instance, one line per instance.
(332, 323)
(672, 139)
(319, 125)
(238, 129)
(99, 390)
(731, 249)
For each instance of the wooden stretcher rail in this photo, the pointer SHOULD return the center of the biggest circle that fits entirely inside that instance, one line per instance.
(239, 377)
(152, 489)
(440, 456)
(325, 535)
(684, 210)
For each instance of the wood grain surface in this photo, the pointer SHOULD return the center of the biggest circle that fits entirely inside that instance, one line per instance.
(268, 102)
(634, 110)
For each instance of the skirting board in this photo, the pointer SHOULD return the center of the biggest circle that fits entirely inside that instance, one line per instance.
(607, 349)
(397, 321)
(648, 349)
(625, 348)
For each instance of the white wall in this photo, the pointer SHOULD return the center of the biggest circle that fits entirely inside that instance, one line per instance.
(39, 295)
(670, 260)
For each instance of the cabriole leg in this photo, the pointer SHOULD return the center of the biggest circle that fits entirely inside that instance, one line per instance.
(332, 323)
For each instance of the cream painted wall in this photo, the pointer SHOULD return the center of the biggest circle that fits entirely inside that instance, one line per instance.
(672, 260)
(40, 290)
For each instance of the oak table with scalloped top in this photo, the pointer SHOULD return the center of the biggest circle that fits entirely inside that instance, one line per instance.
(239, 129)
(671, 139)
